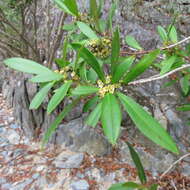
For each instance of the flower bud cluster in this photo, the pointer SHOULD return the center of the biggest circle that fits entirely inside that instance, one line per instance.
(100, 47)
(106, 87)
(68, 73)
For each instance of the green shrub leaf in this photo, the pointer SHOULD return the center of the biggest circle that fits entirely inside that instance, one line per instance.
(125, 186)
(130, 40)
(185, 85)
(138, 164)
(122, 68)
(40, 96)
(140, 67)
(85, 90)
(154, 187)
(90, 104)
(94, 116)
(86, 30)
(111, 117)
(185, 107)
(94, 13)
(90, 59)
(167, 64)
(57, 121)
(163, 34)
(115, 50)
(62, 6)
(46, 77)
(26, 65)
(173, 34)
(147, 124)
(72, 6)
(58, 96)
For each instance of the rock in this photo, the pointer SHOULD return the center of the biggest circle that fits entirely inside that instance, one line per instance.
(69, 160)
(80, 185)
(13, 136)
(76, 136)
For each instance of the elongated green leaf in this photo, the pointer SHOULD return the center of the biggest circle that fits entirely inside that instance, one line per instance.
(185, 107)
(115, 50)
(147, 124)
(130, 40)
(125, 186)
(94, 13)
(110, 16)
(94, 116)
(58, 120)
(46, 77)
(62, 6)
(185, 85)
(86, 30)
(90, 59)
(173, 34)
(140, 67)
(163, 34)
(111, 117)
(85, 90)
(167, 64)
(72, 6)
(90, 104)
(154, 187)
(40, 96)
(26, 65)
(138, 164)
(58, 97)
(122, 68)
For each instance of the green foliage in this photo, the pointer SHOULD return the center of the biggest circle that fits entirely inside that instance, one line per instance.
(98, 69)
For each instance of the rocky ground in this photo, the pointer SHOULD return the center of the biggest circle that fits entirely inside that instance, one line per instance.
(23, 166)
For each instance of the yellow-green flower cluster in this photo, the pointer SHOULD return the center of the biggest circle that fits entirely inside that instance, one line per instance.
(100, 47)
(84, 18)
(68, 73)
(106, 87)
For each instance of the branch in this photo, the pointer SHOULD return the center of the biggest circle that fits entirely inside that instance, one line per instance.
(156, 77)
(176, 162)
(161, 48)
(6, 21)
(57, 41)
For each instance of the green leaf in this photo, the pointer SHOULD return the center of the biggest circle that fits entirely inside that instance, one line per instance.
(40, 96)
(173, 34)
(184, 82)
(90, 104)
(90, 59)
(72, 6)
(140, 67)
(115, 50)
(167, 64)
(125, 186)
(85, 90)
(70, 27)
(94, 13)
(91, 75)
(26, 65)
(61, 63)
(138, 164)
(185, 107)
(111, 117)
(94, 116)
(83, 72)
(62, 6)
(46, 77)
(163, 34)
(111, 15)
(122, 68)
(58, 120)
(86, 30)
(58, 97)
(147, 124)
(130, 40)
(154, 187)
